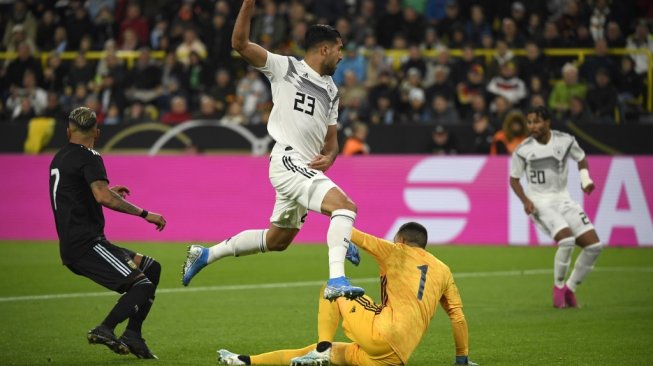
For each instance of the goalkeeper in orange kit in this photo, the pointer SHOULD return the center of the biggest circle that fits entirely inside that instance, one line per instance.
(413, 282)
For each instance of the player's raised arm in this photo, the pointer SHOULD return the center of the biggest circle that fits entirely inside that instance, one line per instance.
(254, 54)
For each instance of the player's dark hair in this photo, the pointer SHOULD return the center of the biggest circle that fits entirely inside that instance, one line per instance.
(82, 117)
(415, 233)
(540, 111)
(318, 33)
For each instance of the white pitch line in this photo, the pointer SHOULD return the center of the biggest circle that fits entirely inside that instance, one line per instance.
(526, 272)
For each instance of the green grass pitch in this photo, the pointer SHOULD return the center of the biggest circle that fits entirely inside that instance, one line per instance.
(266, 302)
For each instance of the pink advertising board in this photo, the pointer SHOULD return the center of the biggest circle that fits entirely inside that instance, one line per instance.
(463, 200)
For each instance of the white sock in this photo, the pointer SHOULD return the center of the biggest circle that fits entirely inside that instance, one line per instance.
(338, 237)
(245, 243)
(584, 264)
(562, 260)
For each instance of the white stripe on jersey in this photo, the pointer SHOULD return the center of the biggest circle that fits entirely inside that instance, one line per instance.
(112, 260)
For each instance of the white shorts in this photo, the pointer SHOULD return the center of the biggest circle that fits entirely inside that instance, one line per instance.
(298, 188)
(553, 216)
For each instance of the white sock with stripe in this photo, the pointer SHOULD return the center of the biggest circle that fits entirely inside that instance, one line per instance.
(584, 265)
(244, 243)
(338, 237)
(562, 260)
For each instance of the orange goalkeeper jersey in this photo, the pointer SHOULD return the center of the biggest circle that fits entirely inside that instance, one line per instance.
(413, 282)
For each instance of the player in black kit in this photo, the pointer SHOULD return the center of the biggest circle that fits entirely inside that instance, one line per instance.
(78, 189)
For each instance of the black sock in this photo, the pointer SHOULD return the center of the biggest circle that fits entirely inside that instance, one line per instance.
(129, 304)
(245, 359)
(323, 346)
(151, 269)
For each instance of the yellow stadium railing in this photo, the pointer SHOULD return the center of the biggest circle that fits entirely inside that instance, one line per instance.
(396, 56)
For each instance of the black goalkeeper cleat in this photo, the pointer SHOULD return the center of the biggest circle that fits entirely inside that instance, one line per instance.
(137, 345)
(104, 335)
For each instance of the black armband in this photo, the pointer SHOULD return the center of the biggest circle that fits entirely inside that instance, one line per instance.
(144, 214)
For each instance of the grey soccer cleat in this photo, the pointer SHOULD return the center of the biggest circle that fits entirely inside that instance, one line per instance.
(313, 358)
(228, 358)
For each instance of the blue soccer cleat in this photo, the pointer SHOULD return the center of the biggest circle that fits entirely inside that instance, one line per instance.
(313, 358)
(340, 287)
(352, 254)
(196, 259)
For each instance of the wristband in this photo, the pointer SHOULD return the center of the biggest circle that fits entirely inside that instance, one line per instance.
(585, 179)
(144, 214)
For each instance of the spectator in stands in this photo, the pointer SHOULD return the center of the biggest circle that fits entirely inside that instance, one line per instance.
(389, 24)
(269, 28)
(631, 89)
(82, 71)
(442, 85)
(219, 41)
(382, 112)
(417, 111)
(207, 109)
(513, 132)
(113, 116)
(178, 112)
(135, 22)
(519, 18)
(253, 94)
(413, 26)
(137, 112)
(614, 36)
(537, 86)
(499, 110)
(508, 85)
(477, 25)
(191, 43)
(61, 39)
(534, 63)
(537, 100)
(578, 112)
(443, 143)
(355, 144)
(598, 19)
(535, 31)
(502, 55)
(45, 31)
(234, 115)
(570, 19)
(470, 88)
(78, 97)
(431, 40)
(412, 80)
(110, 93)
(129, 41)
(37, 96)
(376, 65)
(93, 104)
(223, 91)
(442, 112)
(452, 18)
(483, 134)
(22, 16)
(194, 76)
(461, 68)
(385, 87)
(551, 36)
(352, 89)
(78, 24)
(353, 61)
(641, 39)
(478, 105)
(568, 87)
(17, 67)
(603, 98)
(144, 79)
(104, 26)
(344, 28)
(414, 61)
(23, 113)
(510, 34)
(54, 109)
(601, 60)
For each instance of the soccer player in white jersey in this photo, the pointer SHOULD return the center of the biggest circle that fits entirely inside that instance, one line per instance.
(303, 125)
(543, 157)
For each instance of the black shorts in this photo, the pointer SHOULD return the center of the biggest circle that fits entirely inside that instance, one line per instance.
(108, 265)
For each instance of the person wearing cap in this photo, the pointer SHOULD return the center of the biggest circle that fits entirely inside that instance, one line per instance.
(443, 142)
(79, 188)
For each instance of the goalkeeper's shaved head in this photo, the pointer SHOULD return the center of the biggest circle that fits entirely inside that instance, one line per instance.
(82, 119)
(412, 233)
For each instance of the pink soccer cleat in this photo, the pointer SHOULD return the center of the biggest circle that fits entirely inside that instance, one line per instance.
(559, 297)
(570, 298)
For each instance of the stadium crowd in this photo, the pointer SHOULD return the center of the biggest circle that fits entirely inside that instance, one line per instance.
(198, 78)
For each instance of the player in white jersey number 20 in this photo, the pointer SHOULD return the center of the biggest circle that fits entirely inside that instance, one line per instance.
(543, 158)
(303, 123)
